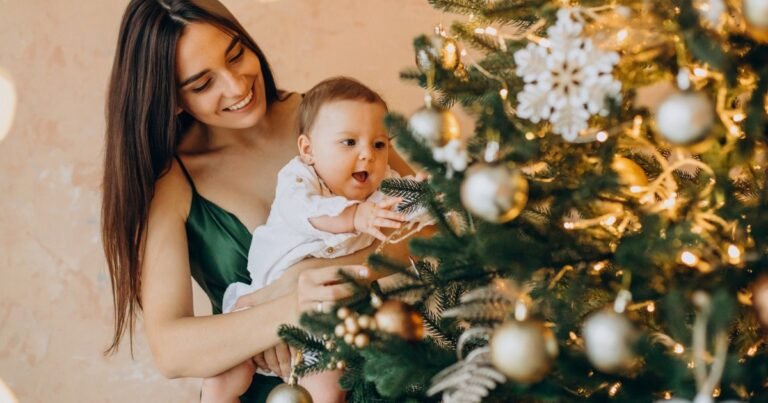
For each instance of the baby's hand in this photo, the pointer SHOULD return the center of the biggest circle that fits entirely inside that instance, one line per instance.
(370, 217)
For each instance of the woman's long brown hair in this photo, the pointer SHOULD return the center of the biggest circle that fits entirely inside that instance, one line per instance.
(143, 132)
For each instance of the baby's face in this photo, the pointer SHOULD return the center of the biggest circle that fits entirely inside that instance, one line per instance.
(350, 147)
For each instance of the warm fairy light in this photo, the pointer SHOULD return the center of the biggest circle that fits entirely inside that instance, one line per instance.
(752, 351)
(569, 225)
(651, 307)
(670, 202)
(479, 31)
(504, 92)
(599, 266)
(734, 131)
(491, 31)
(699, 72)
(734, 254)
(614, 389)
(521, 310)
(463, 52)
(667, 395)
(739, 117)
(622, 35)
(450, 47)
(691, 365)
(678, 349)
(573, 336)
(635, 189)
(530, 136)
(689, 258)
(716, 392)
(610, 220)
(602, 136)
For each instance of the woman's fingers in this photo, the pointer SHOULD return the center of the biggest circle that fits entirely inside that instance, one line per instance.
(260, 362)
(283, 358)
(270, 356)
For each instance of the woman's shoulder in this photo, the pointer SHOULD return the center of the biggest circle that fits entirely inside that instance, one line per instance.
(172, 194)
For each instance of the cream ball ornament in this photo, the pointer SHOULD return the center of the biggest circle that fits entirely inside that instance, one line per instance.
(608, 340)
(435, 126)
(756, 15)
(289, 393)
(684, 118)
(494, 192)
(523, 350)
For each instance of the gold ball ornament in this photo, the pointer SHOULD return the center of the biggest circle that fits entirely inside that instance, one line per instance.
(343, 312)
(685, 118)
(350, 323)
(629, 172)
(340, 330)
(608, 340)
(349, 338)
(435, 126)
(756, 15)
(398, 318)
(364, 321)
(760, 299)
(287, 393)
(440, 50)
(523, 351)
(495, 193)
(341, 365)
(362, 340)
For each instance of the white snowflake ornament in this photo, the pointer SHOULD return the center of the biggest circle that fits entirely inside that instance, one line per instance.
(567, 78)
(453, 154)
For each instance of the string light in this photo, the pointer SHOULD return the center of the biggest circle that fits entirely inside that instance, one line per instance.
(614, 389)
(678, 349)
(602, 136)
(689, 258)
(734, 254)
(651, 307)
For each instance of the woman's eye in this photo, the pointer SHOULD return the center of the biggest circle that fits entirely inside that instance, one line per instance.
(238, 55)
(202, 87)
(348, 142)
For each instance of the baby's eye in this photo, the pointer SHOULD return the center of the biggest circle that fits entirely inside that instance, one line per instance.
(348, 142)
(380, 144)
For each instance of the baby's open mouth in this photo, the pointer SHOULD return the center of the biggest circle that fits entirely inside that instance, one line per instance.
(361, 176)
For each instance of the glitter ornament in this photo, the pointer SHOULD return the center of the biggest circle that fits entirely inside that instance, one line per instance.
(523, 350)
(398, 318)
(608, 339)
(289, 393)
(496, 193)
(434, 126)
(684, 118)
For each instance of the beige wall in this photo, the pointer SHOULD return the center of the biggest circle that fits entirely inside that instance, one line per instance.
(55, 306)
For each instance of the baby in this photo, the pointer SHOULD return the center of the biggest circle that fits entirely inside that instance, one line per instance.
(326, 205)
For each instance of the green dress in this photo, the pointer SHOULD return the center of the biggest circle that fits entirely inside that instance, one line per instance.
(218, 255)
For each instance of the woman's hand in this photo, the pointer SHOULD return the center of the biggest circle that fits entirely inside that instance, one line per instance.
(319, 289)
(276, 359)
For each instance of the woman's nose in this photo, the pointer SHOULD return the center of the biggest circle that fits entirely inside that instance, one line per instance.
(236, 86)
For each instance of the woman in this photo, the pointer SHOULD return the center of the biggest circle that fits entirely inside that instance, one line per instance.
(196, 133)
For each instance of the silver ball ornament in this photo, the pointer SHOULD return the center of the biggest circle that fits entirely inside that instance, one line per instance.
(684, 118)
(287, 393)
(523, 351)
(608, 339)
(756, 13)
(434, 126)
(496, 193)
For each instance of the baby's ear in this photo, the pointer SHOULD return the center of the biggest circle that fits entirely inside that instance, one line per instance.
(305, 150)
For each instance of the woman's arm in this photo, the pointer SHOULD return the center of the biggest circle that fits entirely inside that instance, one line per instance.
(187, 346)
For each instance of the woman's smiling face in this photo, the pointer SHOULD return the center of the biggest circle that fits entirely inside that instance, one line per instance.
(220, 82)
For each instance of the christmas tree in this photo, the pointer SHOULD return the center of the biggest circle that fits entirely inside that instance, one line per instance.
(602, 234)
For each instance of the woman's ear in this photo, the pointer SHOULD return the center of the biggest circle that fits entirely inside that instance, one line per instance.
(305, 149)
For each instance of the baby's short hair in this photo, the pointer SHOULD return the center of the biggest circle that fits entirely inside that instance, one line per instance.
(333, 89)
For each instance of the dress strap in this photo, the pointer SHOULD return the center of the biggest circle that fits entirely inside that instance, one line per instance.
(186, 173)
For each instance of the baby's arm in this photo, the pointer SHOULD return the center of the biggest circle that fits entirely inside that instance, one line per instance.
(365, 217)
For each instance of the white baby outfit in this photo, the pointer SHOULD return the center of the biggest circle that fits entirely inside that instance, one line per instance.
(288, 237)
